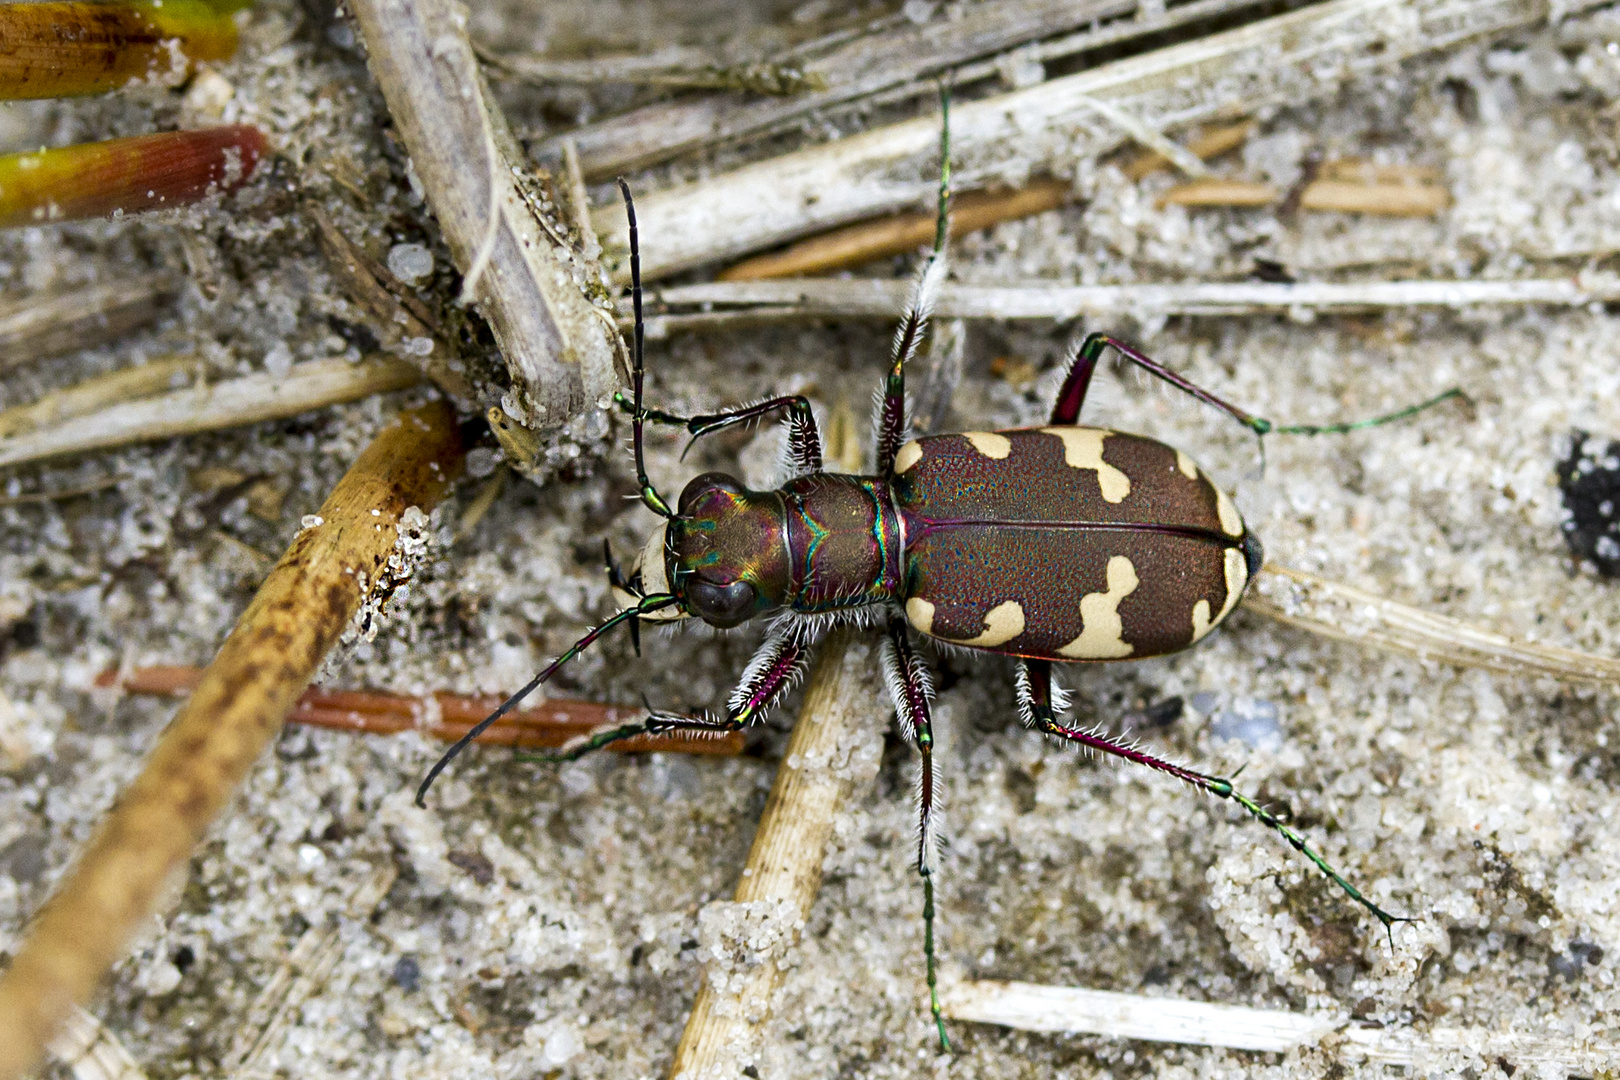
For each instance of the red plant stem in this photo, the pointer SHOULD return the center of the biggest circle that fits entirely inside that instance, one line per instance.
(65, 49)
(443, 716)
(126, 176)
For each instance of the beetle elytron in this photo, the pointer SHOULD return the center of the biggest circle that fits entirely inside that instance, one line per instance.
(1051, 545)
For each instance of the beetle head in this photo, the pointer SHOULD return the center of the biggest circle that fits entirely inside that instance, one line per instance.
(726, 555)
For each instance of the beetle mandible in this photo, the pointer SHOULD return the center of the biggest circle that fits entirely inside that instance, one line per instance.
(1057, 544)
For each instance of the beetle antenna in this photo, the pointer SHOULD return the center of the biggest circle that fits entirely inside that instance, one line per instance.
(649, 495)
(644, 606)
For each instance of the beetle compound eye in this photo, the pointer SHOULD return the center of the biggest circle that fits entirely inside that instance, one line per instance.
(721, 605)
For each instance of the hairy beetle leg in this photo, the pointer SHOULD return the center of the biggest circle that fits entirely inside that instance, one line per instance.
(1035, 703)
(912, 690)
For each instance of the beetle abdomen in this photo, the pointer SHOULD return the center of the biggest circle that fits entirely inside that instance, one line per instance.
(1065, 543)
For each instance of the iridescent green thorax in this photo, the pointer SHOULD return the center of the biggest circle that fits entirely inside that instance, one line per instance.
(845, 542)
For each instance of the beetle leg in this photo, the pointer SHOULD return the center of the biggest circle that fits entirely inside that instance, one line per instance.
(912, 689)
(1035, 704)
(776, 666)
(891, 406)
(804, 438)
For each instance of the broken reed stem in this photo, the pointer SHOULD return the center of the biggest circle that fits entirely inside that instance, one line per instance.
(46, 324)
(900, 234)
(442, 715)
(126, 384)
(1289, 59)
(1337, 196)
(1068, 1009)
(233, 403)
(1345, 613)
(784, 864)
(127, 176)
(764, 301)
(281, 639)
(64, 49)
(525, 284)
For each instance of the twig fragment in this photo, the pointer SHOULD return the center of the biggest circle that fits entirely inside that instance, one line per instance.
(852, 297)
(91, 1052)
(126, 384)
(900, 233)
(80, 318)
(1345, 613)
(62, 49)
(1032, 1007)
(530, 289)
(127, 176)
(783, 872)
(784, 79)
(442, 715)
(233, 403)
(1210, 142)
(281, 639)
(1341, 196)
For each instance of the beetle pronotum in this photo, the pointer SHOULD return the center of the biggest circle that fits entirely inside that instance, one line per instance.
(1056, 544)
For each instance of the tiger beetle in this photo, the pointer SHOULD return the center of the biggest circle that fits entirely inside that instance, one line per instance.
(1054, 544)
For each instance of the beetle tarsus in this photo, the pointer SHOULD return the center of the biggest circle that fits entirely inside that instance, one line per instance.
(1035, 704)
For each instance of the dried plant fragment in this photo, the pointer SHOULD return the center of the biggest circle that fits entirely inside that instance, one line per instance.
(1345, 613)
(233, 403)
(1208, 143)
(61, 50)
(900, 234)
(56, 322)
(264, 666)
(534, 290)
(1032, 1007)
(91, 1052)
(444, 716)
(1216, 192)
(129, 384)
(127, 176)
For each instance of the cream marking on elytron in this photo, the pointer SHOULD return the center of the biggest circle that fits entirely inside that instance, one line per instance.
(1188, 467)
(920, 614)
(1082, 449)
(1004, 622)
(1237, 576)
(1231, 520)
(989, 443)
(1101, 628)
(907, 456)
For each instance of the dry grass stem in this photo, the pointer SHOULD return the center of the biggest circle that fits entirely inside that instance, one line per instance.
(301, 976)
(1031, 1007)
(1216, 192)
(772, 79)
(91, 1052)
(233, 403)
(1341, 196)
(1385, 200)
(1348, 614)
(127, 384)
(899, 234)
(281, 639)
(783, 872)
(526, 285)
(1301, 56)
(442, 715)
(1208, 143)
(895, 54)
(58, 322)
(848, 297)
